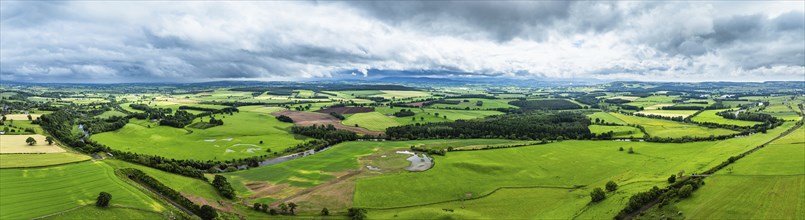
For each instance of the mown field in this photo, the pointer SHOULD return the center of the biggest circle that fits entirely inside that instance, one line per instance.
(38, 160)
(767, 184)
(93, 212)
(239, 137)
(540, 168)
(710, 116)
(29, 193)
(669, 113)
(673, 129)
(179, 183)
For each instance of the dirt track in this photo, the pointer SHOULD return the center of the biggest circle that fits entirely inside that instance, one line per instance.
(315, 118)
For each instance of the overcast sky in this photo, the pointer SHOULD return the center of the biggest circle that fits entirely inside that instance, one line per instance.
(188, 41)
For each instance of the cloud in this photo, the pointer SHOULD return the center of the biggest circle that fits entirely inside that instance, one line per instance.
(201, 41)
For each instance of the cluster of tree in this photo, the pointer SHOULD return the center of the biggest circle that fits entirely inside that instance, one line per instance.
(491, 147)
(338, 116)
(477, 96)
(430, 151)
(404, 113)
(631, 107)
(683, 107)
(356, 213)
(639, 200)
(214, 121)
(672, 118)
(748, 116)
(284, 209)
(223, 187)
(205, 212)
(533, 126)
(590, 99)
(325, 132)
(545, 104)
(149, 113)
(284, 118)
(179, 119)
(617, 101)
(208, 112)
(96, 125)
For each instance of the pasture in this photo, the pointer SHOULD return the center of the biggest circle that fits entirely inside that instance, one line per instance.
(710, 116)
(542, 168)
(183, 184)
(38, 160)
(21, 117)
(108, 114)
(383, 117)
(29, 193)
(673, 129)
(239, 137)
(94, 212)
(652, 100)
(374, 121)
(16, 144)
(606, 118)
(668, 113)
(618, 131)
(770, 182)
(471, 103)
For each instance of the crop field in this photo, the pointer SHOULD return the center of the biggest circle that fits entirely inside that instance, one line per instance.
(768, 184)
(652, 100)
(618, 131)
(38, 160)
(394, 94)
(710, 116)
(239, 137)
(668, 128)
(457, 175)
(669, 113)
(29, 193)
(17, 144)
(21, 117)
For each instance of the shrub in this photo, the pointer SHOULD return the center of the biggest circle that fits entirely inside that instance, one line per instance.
(685, 191)
(611, 186)
(103, 199)
(672, 179)
(597, 195)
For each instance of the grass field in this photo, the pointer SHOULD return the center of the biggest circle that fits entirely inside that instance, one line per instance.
(673, 129)
(606, 118)
(371, 120)
(16, 144)
(652, 100)
(239, 137)
(541, 167)
(179, 183)
(767, 184)
(94, 212)
(108, 114)
(487, 103)
(394, 94)
(618, 131)
(38, 160)
(28, 193)
(669, 113)
(21, 117)
(710, 116)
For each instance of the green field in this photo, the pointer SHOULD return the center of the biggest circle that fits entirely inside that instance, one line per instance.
(652, 100)
(618, 131)
(539, 168)
(710, 116)
(767, 184)
(606, 118)
(239, 137)
(487, 103)
(383, 118)
(108, 114)
(28, 193)
(177, 182)
(93, 212)
(669, 113)
(673, 129)
(38, 160)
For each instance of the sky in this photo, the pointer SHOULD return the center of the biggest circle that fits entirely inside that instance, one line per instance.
(193, 41)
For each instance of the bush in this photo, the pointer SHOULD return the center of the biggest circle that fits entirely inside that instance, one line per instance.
(611, 186)
(103, 199)
(672, 179)
(685, 191)
(325, 212)
(284, 118)
(356, 213)
(597, 195)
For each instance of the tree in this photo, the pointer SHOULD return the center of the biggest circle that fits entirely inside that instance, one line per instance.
(272, 211)
(672, 179)
(283, 208)
(30, 141)
(49, 140)
(620, 149)
(258, 207)
(325, 212)
(206, 212)
(30, 118)
(611, 186)
(103, 199)
(598, 194)
(685, 191)
(356, 213)
(261, 141)
(631, 151)
(292, 207)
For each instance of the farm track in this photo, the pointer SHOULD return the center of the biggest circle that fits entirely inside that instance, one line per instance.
(716, 169)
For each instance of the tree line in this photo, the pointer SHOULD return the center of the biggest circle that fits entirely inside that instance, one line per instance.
(206, 212)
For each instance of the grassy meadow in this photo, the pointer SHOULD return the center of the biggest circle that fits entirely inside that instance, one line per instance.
(710, 116)
(39, 160)
(618, 131)
(673, 129)
(383, 118)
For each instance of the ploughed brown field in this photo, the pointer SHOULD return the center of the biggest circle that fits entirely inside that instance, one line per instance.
(315, 118)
